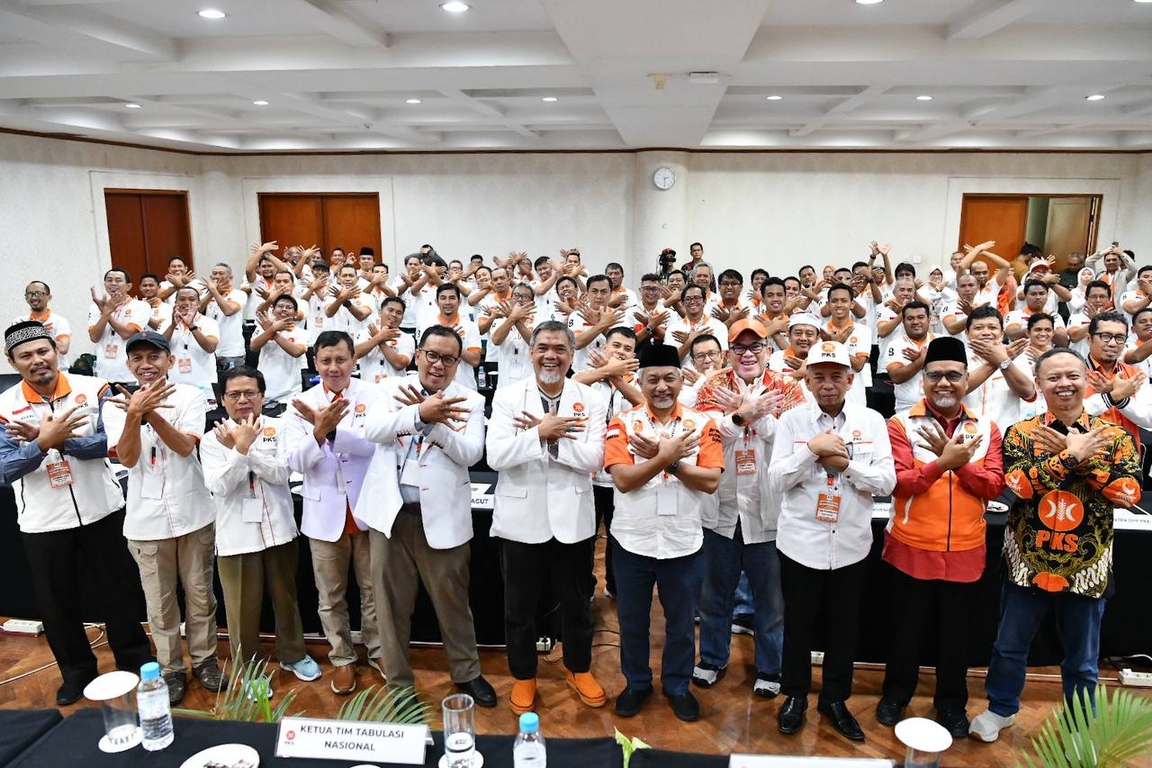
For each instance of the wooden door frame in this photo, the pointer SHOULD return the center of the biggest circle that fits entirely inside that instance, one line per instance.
(1097, 204)
(189, 259)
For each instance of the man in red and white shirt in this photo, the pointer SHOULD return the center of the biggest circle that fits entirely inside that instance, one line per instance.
(682, 331)
(906, 354)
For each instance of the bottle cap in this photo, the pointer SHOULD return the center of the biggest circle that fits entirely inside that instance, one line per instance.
(529, 722)
(150, 670)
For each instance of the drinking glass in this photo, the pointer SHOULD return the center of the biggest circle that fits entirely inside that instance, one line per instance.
(459, 730)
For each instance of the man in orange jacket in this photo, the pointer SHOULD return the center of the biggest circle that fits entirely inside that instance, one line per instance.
(948, 466)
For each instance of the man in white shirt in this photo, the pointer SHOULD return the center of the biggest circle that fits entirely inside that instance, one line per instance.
(326, 443)
(665, 459)
(315, 297)
(448, 303)
(54, 453)
(682, 331)
(382, 349)
(281, 344)
(348, 309)
(1036, 300)
(112, 319)
(621, 296)
(954, 314)
(39, 295)
(178, 276)
(889, 315)
(590, 324)
(997, 388)
(511, 335)
(224, 303)
(855, 337)
(803, 332)
(193, 339)
(906, 354)
(829, 459)
(161, 310)
(246, 471)
(546, 439)
(1098, 297)
(417, 500)
(740, 531)
(154, 432)
(649, 318)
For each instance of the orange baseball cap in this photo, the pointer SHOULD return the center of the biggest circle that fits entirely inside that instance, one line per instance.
(746, 325)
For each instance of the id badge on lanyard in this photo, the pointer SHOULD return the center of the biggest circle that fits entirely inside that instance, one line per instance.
(59, 471)
(828, 503)
(252, 510)
(746, 458)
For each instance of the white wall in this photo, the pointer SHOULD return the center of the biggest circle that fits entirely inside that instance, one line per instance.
(776, 210)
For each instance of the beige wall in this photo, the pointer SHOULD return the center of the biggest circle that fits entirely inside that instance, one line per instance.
(749, 209)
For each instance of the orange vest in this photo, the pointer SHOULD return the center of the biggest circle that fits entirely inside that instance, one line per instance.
(947, 517)
(1114, 415)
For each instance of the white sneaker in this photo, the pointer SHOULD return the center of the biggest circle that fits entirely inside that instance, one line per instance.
(987, 725)
(705, 675)
(766, 687)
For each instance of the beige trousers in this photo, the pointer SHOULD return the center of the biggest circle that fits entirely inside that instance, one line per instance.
(330, 561)
(186, 560)
(244, 578)
(399, 564)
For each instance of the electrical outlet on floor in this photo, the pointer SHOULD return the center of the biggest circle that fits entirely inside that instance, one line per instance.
(1136, 679)
(818, 658)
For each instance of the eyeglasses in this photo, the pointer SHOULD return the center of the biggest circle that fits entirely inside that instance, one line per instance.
(35, 294)
(739, 349)
(730, 284)
(1108, 338)
(436, 357)
(954, 377)
(692, 299)
(706, 356)
(248, 394)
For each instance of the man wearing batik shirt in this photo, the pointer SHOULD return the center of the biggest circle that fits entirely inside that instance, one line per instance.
(948, 467)
(740, 531)
(1069, 470)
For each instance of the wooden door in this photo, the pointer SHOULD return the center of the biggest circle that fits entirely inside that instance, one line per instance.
(345, 220)
(146, 228)
(1069, 227)
(1003, 218)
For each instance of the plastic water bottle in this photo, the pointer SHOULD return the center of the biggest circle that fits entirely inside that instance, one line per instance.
(481, 377)
(528, 750)
(155, 709)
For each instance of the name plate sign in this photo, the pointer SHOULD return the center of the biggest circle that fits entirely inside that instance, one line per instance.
(783, 761)
(351, 740)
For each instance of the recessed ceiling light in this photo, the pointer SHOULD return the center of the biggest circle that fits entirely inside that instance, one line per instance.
(455, 6)
(132, 105)
(1094, 97)
(1144, 1)
(211, 13)
(412, 101)
(923, 97)
(260, 103)
(549, 98)
(868, 2)
(773, 97)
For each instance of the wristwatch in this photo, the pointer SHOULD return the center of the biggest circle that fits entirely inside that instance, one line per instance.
(737, 419)
(1004, 365)
(674, 467)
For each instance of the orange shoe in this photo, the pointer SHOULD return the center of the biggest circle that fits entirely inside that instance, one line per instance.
(586, 688)
(523, 697)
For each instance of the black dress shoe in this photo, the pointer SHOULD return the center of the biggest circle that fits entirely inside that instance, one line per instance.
(629, 702)
(792, 714)
(842, 720)
(71, 691)
(480, 691)
(177, 685)
(955, 721)
(685, 706)
(890, 712)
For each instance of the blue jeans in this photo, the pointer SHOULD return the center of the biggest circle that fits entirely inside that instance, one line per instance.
(1021, 611)
(723, 560)
(677, 581)
(743, 598)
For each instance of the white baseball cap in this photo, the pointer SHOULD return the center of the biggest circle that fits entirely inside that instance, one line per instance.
(803, 318)
(829, 352)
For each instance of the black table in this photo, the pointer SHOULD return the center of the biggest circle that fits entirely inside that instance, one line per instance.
(19, 729)
(73, 743)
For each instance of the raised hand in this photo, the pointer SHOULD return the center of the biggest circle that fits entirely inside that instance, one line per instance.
(1088, 445)
(145, 400)
(644, 446)
(244, 433)
(679, 447)
(936, 438)
(437, 409)
(1122, 388)
(828, 445)
(1049, 440)
(223, 434)
(957, 452)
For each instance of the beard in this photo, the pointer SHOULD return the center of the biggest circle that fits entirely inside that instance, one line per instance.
(550, 377)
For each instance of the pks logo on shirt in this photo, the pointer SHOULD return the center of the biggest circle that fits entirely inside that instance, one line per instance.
(578, 407)
(360, 408)
(81, 399)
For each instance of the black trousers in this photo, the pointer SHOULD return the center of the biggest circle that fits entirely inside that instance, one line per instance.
(916, 604)
(605, 499)
(808, 594)
(527, 567)
(60, 561)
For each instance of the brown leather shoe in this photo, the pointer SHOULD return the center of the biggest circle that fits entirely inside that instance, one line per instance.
(586, 688)
(344, 680)
(523, 697)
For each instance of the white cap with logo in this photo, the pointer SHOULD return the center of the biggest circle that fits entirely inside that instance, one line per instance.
(829, 352)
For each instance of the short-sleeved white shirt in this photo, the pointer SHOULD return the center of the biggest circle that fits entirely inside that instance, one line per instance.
(231, 326)
(194, 365)
(374, 367)
(281, 370)
(111, 357)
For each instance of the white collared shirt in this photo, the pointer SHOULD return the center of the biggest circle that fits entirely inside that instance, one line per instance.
(111, 356)
(166, 494)
(194, 365)
(231, 326)
(281, 370)
(246, 486)
(800, 479)
(374, 367)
